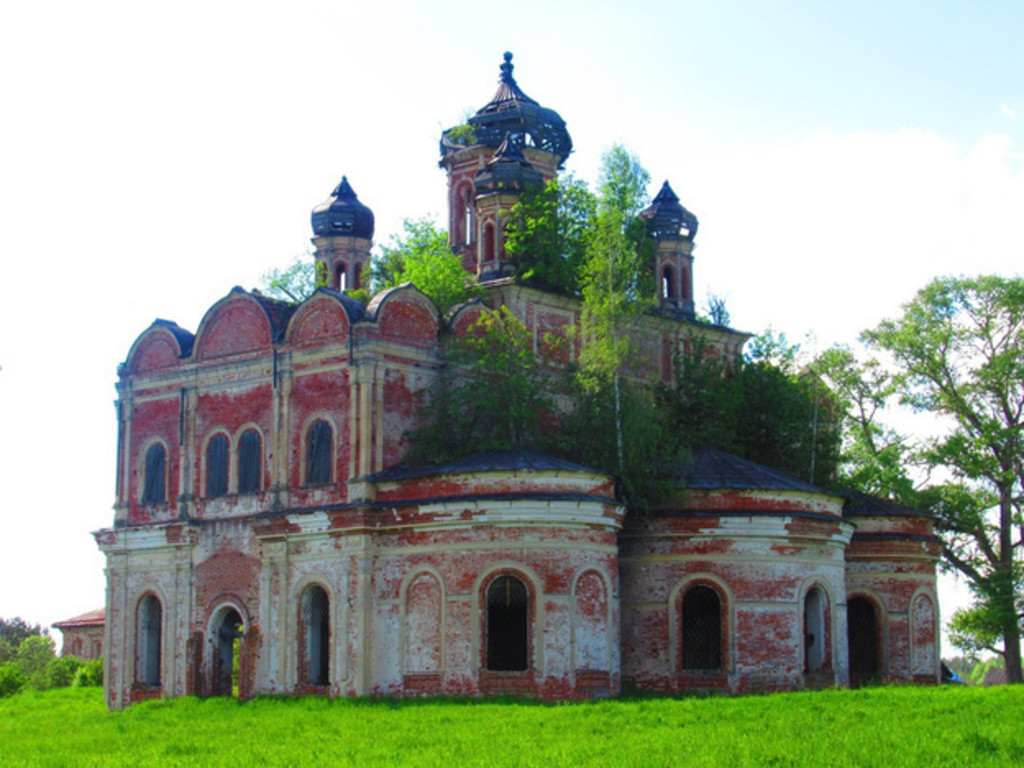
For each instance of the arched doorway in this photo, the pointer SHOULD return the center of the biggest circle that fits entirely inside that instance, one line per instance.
(508, 625)
(862, 624)
(226, 641)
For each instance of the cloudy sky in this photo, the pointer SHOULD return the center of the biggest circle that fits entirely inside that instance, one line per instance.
(152, 156)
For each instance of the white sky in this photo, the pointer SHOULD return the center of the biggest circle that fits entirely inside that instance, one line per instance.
(838, 155)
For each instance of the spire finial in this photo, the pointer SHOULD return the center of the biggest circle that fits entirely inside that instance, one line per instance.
(506, 68)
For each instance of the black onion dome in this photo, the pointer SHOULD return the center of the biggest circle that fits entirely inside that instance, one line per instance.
(666, 217)
(507, 170)
(342, 214)
(514, 114)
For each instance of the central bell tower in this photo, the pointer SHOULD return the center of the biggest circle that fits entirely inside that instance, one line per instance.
(510, 144)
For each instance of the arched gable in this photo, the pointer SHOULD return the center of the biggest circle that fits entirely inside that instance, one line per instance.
(463, 317)
(162, 345)
(405, 313)
(236, 324)
(325, 316)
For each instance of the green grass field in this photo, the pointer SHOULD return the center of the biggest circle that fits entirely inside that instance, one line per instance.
(949, 726)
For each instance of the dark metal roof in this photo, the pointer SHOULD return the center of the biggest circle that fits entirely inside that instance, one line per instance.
(342, 215)
(184, 338)
(278, 312)
(666, 217)
(514, 114)
(713, 469)
(507, 171)
(489, 461)
(865, 505)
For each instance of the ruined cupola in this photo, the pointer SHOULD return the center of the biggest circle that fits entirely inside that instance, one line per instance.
(514, 115)
(530, 139)
(342, 235)
(673, 229)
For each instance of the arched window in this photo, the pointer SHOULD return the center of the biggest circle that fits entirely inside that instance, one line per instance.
(147, 630)
(250, 462)
(319, 453)
(702, 629)
(814, 630)
(666, 283)
(357, 276)
(862, 625)
(315, 637)
(686, 285)
(488, 242)
(467, 207)
(217, 466)
(508, 618)
(340, 278)
(154, 488)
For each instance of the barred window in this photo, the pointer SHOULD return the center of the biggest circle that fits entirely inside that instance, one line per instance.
(319, 453)
(217, 466)
(154, 488)
(702, 629)
(250, 462)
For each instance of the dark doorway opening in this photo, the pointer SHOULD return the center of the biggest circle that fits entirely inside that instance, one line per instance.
(508, 605)
(227, 638)
(702, 629)
(862, 621)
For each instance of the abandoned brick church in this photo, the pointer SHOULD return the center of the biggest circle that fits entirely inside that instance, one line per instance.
(267, 538)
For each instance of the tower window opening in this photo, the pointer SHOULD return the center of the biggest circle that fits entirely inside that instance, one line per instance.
(508, 609)
(488, 243)
(666, 283)
(340, 278)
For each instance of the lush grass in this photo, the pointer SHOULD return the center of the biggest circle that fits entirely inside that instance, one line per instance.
(949, 726)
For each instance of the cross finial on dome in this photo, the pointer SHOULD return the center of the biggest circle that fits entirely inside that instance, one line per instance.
(506, 68)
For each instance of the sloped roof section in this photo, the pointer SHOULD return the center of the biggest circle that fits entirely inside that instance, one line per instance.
(865, 505)
(95, 618)
(713, 469)
(488, 461)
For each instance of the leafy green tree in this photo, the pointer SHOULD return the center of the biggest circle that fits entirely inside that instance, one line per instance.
(11, 679)
(959, 353)
(295, 283)
(875, 458)
(60, 672)
(34, 654)
(763, 408)
(17, 629)
(89, 674)
(617, 283)
(421, 256)
(547, 232)
(493, 393)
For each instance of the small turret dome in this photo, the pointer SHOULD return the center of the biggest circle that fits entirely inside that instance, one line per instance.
(507, 171)
(513, 114)
(342, 215)
(666, 217)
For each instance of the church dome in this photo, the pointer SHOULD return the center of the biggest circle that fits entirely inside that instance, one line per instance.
(342, 215)
(513, 114)
(666, 217)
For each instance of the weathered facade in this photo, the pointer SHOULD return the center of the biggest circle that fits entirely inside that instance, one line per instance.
(267, 539)
(82, 635)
